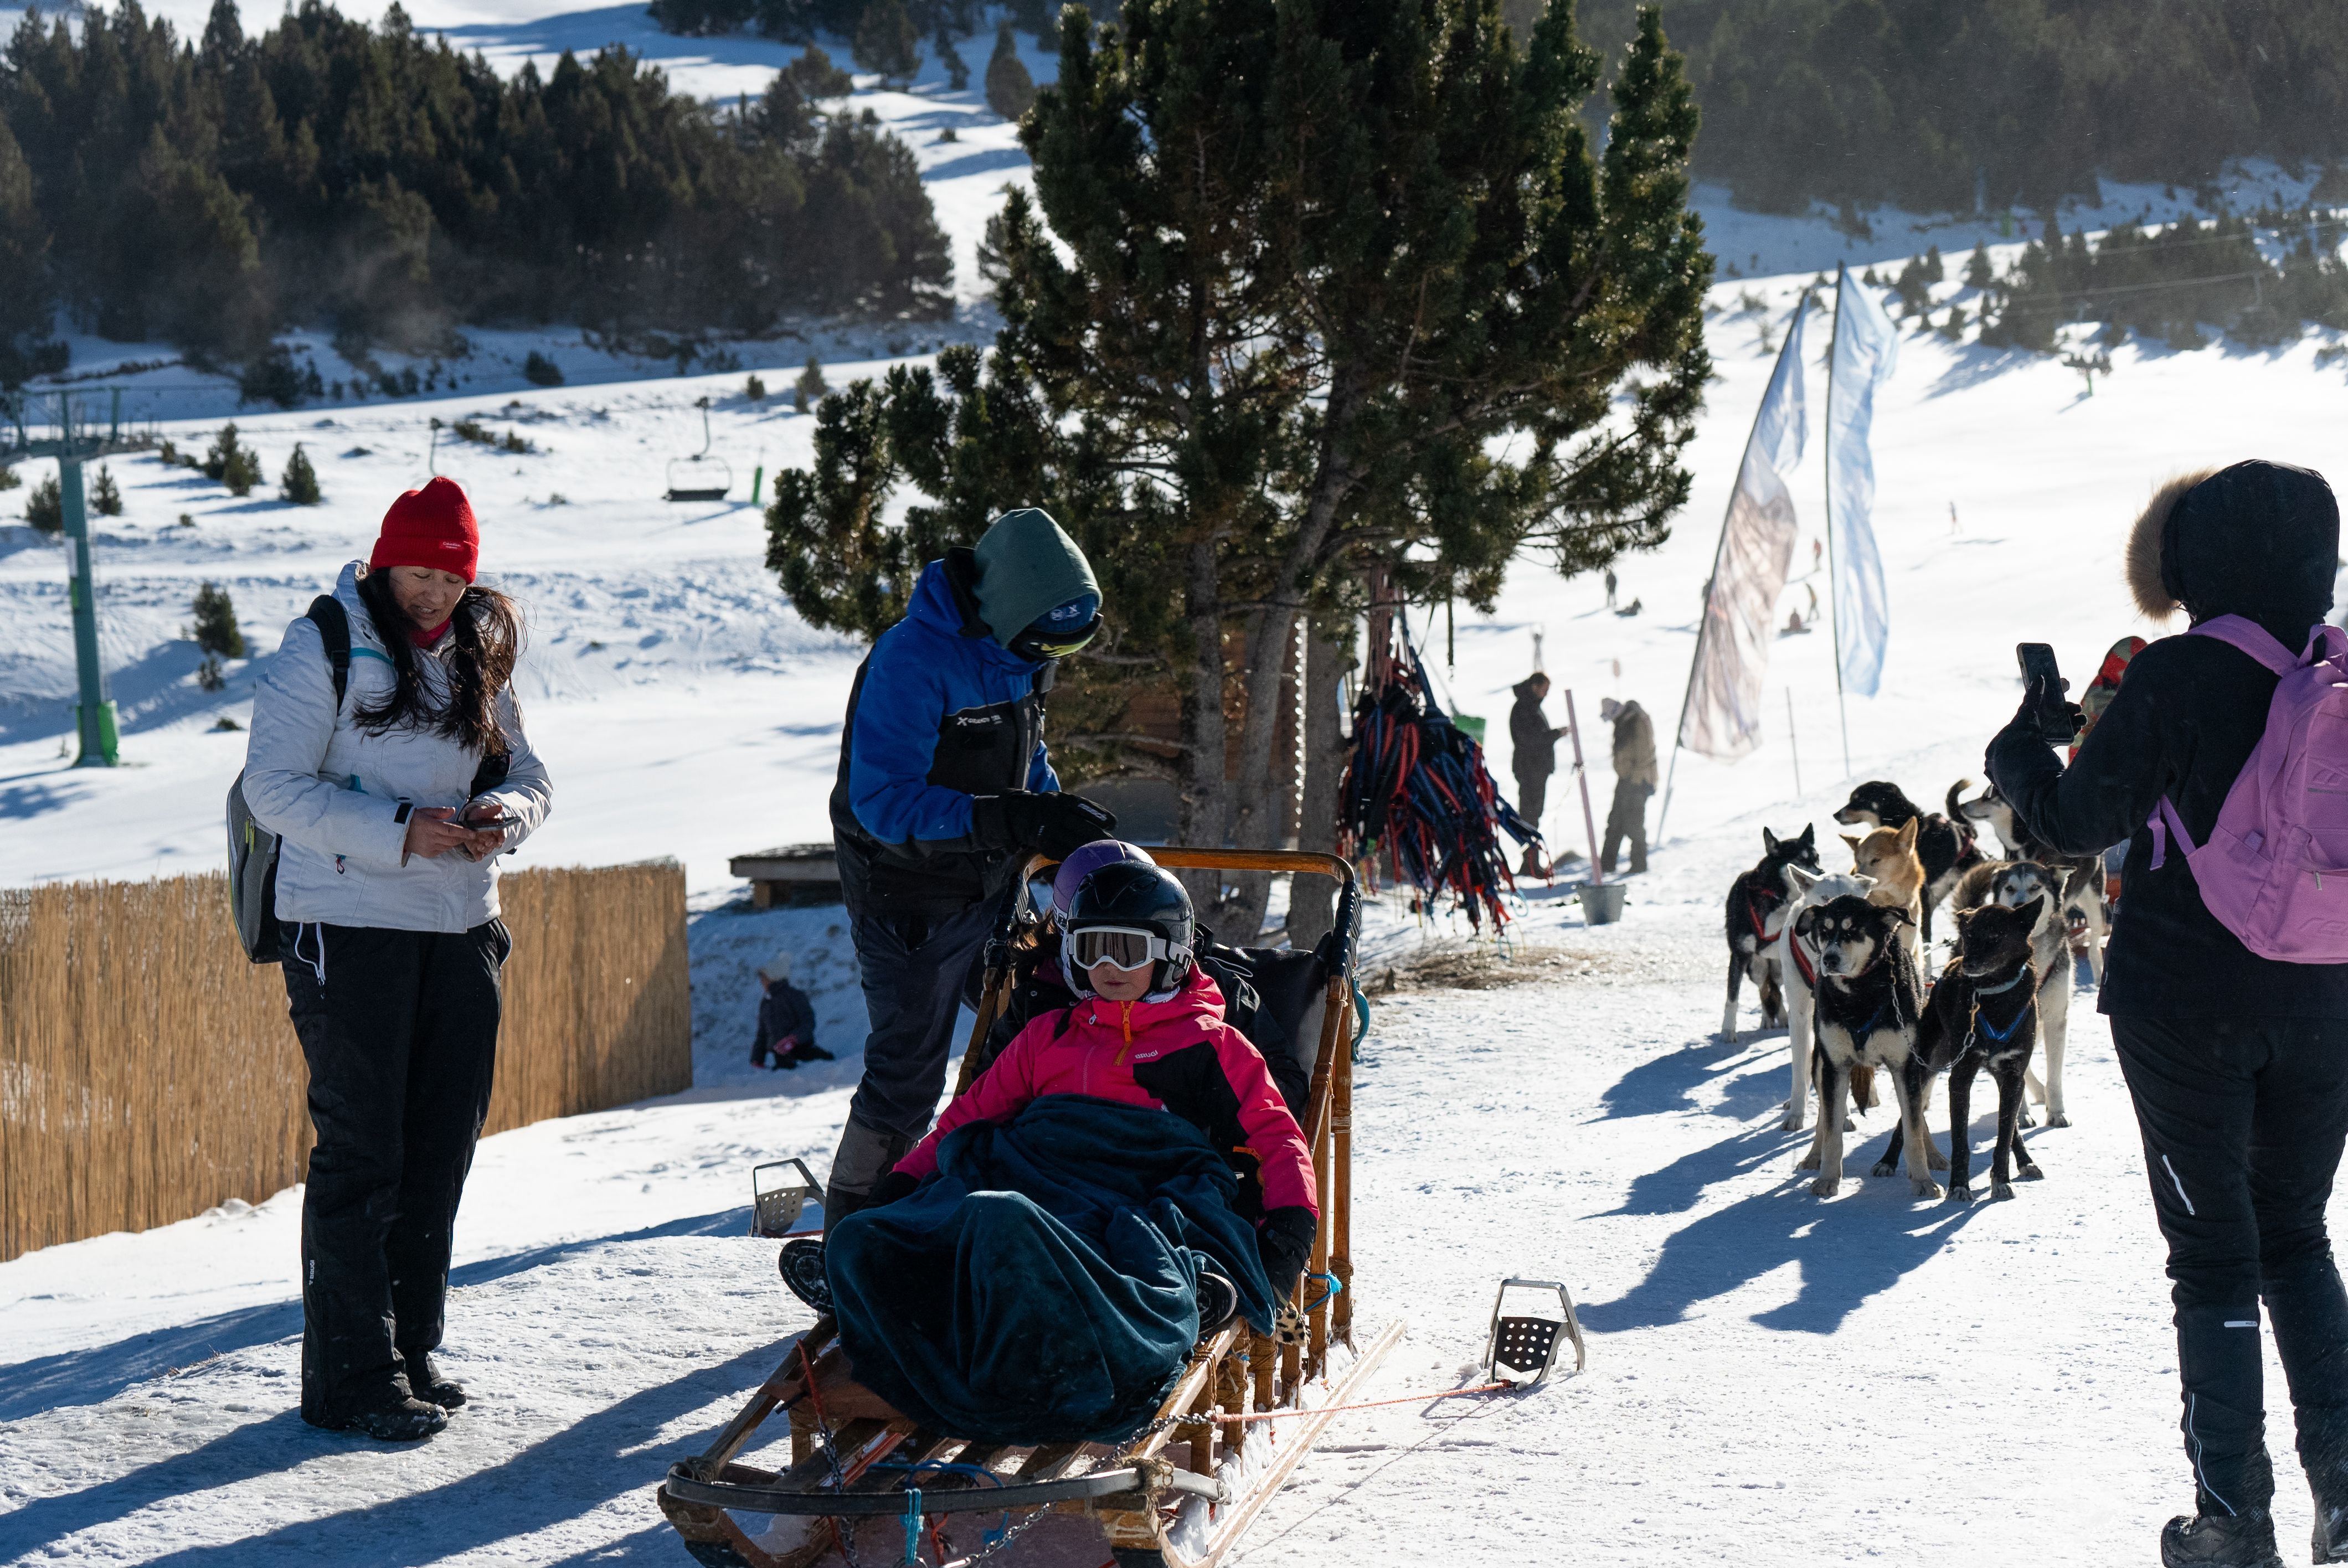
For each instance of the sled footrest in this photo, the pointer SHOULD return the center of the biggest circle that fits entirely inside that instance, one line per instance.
(1121, 1481)
(1523, 1349)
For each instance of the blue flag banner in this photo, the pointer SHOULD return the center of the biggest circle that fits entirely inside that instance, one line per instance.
(1866, 348)
(1722, 717)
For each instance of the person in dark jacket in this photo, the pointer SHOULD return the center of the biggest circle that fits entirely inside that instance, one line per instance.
(2238, 1064)
(1532, 757)
(786, 1019)
(1635, 782)
(944, 789)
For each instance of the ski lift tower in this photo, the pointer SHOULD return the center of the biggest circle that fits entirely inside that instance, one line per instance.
(74, 427)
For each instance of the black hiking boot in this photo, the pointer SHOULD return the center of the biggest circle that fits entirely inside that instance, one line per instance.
(1219, 1302)
(801, 1263)
(398, 1418)
(425, 1381)
(2244, 1540)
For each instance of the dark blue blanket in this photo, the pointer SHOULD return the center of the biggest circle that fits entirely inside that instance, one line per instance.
(1043, 1286)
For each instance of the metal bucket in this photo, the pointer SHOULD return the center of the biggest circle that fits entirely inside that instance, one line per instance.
(1601, 902)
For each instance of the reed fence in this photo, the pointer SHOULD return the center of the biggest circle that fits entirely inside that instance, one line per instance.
(148, 1071)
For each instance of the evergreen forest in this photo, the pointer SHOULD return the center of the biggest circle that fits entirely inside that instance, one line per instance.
(1940, 105)
(375, 181)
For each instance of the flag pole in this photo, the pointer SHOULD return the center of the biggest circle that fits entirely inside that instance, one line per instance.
(1834, 600)
(1704, 627)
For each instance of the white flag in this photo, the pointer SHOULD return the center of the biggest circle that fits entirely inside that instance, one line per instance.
(1866, 347)
(1723, 716)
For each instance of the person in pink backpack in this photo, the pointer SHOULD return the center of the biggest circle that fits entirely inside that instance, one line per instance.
(2225, 983)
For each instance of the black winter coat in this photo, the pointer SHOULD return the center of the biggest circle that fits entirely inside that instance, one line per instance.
(2258, 540)
(783, 1012)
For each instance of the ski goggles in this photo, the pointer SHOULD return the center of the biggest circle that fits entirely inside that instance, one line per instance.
(1124, 948)
(1037, 643)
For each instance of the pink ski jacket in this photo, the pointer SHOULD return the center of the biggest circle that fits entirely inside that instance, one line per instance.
(1176, 1055)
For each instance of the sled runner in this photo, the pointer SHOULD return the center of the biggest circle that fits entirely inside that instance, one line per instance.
(865, 1480)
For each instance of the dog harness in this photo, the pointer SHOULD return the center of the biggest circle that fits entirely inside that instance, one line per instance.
(1975, 1028)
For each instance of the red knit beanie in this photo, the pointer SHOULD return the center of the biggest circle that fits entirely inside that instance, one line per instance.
(431, 527)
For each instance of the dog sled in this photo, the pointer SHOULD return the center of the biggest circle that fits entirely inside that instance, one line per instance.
(865, 1483)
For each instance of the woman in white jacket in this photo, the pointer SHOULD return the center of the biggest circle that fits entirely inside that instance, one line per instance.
(393, 805)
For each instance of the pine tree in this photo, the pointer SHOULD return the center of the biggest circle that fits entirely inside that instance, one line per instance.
(104, 495)
(45, 508)
(1978, 273)
(957, 68)
(299, 483)
(1010, 90)
(215, 629)
(809, 386)
(887, 42)
(540, 371)
(231, 463)
(1381, 316)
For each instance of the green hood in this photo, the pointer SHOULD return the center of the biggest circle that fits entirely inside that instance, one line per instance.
(1025, 567)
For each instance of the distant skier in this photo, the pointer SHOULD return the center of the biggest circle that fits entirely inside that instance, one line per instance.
(785, 1034)
(1635, 781)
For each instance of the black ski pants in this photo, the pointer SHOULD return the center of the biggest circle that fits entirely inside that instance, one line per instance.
(2242, 1124)
(914, 968)
(400, 1032)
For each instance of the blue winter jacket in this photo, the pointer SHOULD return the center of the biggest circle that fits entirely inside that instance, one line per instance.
(940, 712)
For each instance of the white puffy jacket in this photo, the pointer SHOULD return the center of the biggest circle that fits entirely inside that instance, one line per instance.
(334, 794)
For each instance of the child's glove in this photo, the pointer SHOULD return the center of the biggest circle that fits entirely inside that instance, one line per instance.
(1285, 1242)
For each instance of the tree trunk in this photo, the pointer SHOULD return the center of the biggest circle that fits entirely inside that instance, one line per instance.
(1267, 781)
(1312, 901)
(1206, 791)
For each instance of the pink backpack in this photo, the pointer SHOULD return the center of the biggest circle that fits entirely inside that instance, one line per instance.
(2275, 868)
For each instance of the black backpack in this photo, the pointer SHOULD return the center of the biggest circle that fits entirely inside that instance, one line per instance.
(252, 848)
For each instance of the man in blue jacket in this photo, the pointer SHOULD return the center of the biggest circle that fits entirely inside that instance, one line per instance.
(944, 788)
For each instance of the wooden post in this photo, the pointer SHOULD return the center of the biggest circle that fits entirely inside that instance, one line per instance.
(1340, 1173)
(1581, 778)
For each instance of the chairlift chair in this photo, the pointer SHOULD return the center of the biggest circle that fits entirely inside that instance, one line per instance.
(702, 476)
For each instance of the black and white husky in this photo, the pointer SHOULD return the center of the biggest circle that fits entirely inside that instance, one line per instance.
(1798, 963)
(1758, 903)
(1871, 1001)
(1983, 1016)
(2012, 884)
(2080, 900)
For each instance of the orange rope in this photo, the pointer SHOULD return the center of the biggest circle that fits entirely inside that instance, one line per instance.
(1217, 1416)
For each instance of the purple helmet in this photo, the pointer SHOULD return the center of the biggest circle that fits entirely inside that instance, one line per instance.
(1083, 861)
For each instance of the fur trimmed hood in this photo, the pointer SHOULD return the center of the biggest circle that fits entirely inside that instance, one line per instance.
(2257, 540)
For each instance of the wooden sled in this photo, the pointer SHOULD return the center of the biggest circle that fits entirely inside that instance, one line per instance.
(1178, 1497)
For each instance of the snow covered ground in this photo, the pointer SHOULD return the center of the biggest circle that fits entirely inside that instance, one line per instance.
(1774, 1379)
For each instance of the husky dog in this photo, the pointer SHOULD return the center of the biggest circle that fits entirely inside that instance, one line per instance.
(1983, 1014)
(1870, 999)
(2013, 883)
(1943, 844)
(1758, 904)
(1887, 857)
(2081, 903)
(1799, 965)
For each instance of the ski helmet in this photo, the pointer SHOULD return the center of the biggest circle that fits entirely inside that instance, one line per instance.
(1083, 861)
(1129, 914)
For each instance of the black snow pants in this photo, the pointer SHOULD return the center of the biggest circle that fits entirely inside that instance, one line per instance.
(2242, 1124)
(914, 968)
(400, 1032)
(1533, 795)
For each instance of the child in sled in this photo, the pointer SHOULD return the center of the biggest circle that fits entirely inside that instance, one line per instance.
(1147, 1028)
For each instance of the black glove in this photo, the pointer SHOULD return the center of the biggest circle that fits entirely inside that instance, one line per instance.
(1284, 1243)
(2036, 700)
(894, 1185)
(1053, 824)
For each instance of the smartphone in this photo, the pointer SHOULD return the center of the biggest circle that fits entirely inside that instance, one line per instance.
(2058, 720)
(496, 823)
